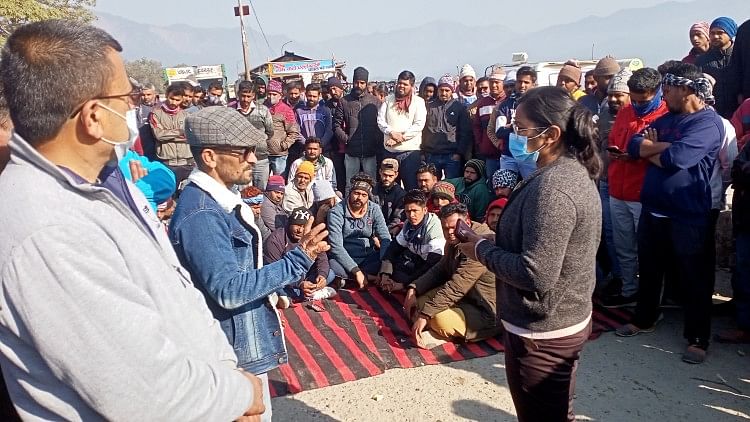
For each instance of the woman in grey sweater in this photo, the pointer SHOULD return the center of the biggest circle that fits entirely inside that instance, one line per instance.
(544, 253)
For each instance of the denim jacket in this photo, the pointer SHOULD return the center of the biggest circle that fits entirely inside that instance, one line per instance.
(223, 254)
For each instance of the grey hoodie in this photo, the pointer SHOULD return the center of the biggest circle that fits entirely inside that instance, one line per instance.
(98, 320)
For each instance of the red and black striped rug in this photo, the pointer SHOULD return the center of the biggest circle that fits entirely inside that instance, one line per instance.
(364, 333)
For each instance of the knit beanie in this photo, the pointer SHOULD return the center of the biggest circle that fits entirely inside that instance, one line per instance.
(477, 165)
(322, 190)
(504, 178)
(726, 24)
(572, 71)
(606, 66)
(701, 27)
(334, 81)
(307, 167)
(498, 74)
(274, 86)
(619, 82)
(443, 190)
(467, 70)
(446, 81)
(361, 74)
(275, 184)
(298, 217)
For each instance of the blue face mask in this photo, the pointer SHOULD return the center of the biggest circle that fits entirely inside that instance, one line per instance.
(644, 109)
(518, 146)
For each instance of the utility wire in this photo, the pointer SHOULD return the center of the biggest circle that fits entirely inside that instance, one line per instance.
(260, 26)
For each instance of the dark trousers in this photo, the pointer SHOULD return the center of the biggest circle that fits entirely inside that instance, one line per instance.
(688, 246)
(340, 167)
(408, 163)
(741, 280)
(542, 375)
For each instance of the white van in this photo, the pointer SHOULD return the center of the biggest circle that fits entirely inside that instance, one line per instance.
(547, 71)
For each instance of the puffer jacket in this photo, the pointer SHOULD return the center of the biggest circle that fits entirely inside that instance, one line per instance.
(355, 123)
(716, 63)
(626, 177)
(285, 129)
(448, 128)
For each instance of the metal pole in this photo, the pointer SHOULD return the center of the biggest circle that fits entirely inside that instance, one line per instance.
(245, 54)
(282, 47)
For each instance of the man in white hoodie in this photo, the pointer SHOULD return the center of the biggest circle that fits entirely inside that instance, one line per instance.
(401, 118)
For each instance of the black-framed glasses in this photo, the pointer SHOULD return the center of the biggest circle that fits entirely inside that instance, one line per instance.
(233, 151)
(135, 92)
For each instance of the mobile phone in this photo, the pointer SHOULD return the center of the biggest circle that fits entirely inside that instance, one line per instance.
(463, 230)
(615, 150)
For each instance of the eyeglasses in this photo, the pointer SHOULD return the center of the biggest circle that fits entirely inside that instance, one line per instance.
(517, 129)
(235, 152)
(135, 92)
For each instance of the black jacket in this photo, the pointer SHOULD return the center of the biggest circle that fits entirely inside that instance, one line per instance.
(716, 63)
(391, 201)
(448, 128)
(741, 198)
(738, 73)
(355, 123)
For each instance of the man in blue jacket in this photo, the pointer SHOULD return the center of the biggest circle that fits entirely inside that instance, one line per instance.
(682, 148)
(216, 238)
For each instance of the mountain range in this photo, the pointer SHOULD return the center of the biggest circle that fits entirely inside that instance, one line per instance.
(653, 34)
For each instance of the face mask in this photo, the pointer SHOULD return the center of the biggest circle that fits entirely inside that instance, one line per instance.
(644, 109)
(122, 147)
(518, 147)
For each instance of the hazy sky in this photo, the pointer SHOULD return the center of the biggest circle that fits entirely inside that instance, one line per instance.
(319, 20)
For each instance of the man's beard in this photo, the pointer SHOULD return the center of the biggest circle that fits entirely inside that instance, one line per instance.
(356, 204)
(357, 92)
(614, 109)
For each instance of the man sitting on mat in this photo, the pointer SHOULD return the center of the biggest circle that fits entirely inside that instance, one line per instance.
(418, 246)
(358, 234)
(455, 299)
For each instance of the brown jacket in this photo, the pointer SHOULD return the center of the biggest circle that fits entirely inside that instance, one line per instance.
(285, 134)
(169, 132)
(462, 283)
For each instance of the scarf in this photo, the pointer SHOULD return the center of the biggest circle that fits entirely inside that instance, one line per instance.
(646, 109)
(168, 111)
(701, 86)
(416, 235)
(403, 103)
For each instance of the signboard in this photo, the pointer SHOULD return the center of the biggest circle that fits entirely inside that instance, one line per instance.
(209, 72)
(179, 73)
(245, 10)
(296, 67)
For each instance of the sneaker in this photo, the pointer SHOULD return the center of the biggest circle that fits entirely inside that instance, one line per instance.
(694, 354)
(324, 293)
(619, 301)
(630, 330)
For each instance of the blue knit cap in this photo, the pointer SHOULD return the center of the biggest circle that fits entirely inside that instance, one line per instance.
(726, 24)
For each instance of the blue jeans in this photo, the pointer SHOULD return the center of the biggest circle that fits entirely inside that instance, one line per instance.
(355, 165)
(370, 266)
(625, 215)
(607, 229)
(277, 164)
(260, 174)
(741, 281)
(447, 167)
(524, 168)
(408, 164)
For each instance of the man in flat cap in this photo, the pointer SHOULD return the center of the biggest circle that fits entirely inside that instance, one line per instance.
(217, 240)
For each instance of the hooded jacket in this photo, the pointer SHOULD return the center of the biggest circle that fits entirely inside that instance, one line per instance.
(355, 123)
(447, 129)
(429, 80)
(262, 80)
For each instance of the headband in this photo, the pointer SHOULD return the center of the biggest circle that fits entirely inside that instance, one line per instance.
(362, 185)
(701, 86)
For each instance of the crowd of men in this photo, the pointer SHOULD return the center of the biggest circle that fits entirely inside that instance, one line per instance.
(289, 192)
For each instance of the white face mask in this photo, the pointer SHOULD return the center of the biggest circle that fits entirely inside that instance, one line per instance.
(122, 147)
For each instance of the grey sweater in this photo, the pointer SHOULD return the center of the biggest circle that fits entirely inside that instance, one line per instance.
(98, 320)
(545, 252)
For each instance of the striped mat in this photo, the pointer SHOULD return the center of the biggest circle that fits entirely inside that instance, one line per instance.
(364, 333)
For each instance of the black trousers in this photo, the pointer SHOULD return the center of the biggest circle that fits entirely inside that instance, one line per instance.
(542, 375)
(689, 248)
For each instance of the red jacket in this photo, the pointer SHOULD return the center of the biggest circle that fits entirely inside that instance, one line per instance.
(626, 176)
(741, 122)
(482, 144)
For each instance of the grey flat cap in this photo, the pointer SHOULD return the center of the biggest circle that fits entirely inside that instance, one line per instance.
(219, 126)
